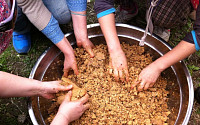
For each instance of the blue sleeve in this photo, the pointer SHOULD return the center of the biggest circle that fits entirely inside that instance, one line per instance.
(77, 5)
(104, 7)
(195, 40)
(53, 31)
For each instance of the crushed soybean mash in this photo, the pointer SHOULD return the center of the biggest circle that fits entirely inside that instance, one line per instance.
(112, 102)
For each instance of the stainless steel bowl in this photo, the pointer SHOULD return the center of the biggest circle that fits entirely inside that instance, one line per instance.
(181, 93)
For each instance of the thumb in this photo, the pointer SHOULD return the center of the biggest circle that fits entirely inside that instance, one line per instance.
(135, 83)
(68, 96)
(89, 50)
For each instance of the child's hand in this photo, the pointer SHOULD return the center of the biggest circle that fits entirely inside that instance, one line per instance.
(118, 65)
(71, 110)
(147, 77)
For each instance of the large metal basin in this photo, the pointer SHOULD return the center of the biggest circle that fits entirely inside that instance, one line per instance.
(181, 93)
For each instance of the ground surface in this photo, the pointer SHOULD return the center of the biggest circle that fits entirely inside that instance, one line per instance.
(13, 111)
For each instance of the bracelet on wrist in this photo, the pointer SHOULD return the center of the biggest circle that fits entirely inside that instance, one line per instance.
(78, 14)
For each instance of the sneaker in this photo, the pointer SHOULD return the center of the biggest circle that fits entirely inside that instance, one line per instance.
(22, 42)
(124, 15)
(197, 94)
(162, 33)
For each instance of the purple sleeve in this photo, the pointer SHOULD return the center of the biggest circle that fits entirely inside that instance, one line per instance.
(196, 28)
(102, 6)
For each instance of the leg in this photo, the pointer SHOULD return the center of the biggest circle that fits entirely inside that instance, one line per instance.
(59, 10)
(21, 34)
(22, 24)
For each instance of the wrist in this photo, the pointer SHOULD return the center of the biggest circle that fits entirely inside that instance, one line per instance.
(37, 88)
(61, 119)
(114, 48)
(160, 66)
(65, 47)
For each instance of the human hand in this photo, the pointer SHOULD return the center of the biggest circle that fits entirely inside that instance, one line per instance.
(87, 45)
(147, 77)
(118, 65)
(80, 31)
(72, 110)
(70, 63)
(70, 60)
(47, 89)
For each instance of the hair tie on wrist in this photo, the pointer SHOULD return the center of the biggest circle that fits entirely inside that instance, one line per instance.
(78, 14)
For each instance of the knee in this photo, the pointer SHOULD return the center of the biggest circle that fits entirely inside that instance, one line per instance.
(63, 18)
(59, 10)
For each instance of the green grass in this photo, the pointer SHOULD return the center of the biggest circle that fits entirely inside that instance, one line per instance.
(198, 53)
(11, 61)
(4, 57)
(198, 111)
(193, 68)
(178, 33)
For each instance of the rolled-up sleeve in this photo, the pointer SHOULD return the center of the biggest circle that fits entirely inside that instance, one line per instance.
(104, 7)
(194, 36)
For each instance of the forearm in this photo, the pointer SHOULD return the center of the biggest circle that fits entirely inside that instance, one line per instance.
(65, 47)
(180, 52)
(16, 86)
(54, 33)
(108, 28)
(78, 12)
(80, 25)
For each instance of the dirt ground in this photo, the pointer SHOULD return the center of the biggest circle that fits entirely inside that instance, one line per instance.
(14, 111)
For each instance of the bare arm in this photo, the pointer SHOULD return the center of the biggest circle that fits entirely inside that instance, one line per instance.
(149, 75)
(118, 62)
(108, 28)
(180, 52)
(16, 86)
(80, 30)
(70, 60)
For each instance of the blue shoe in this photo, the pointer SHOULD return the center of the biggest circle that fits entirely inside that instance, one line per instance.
(22, 42)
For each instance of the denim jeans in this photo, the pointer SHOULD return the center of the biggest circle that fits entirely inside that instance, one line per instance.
(59, 10)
